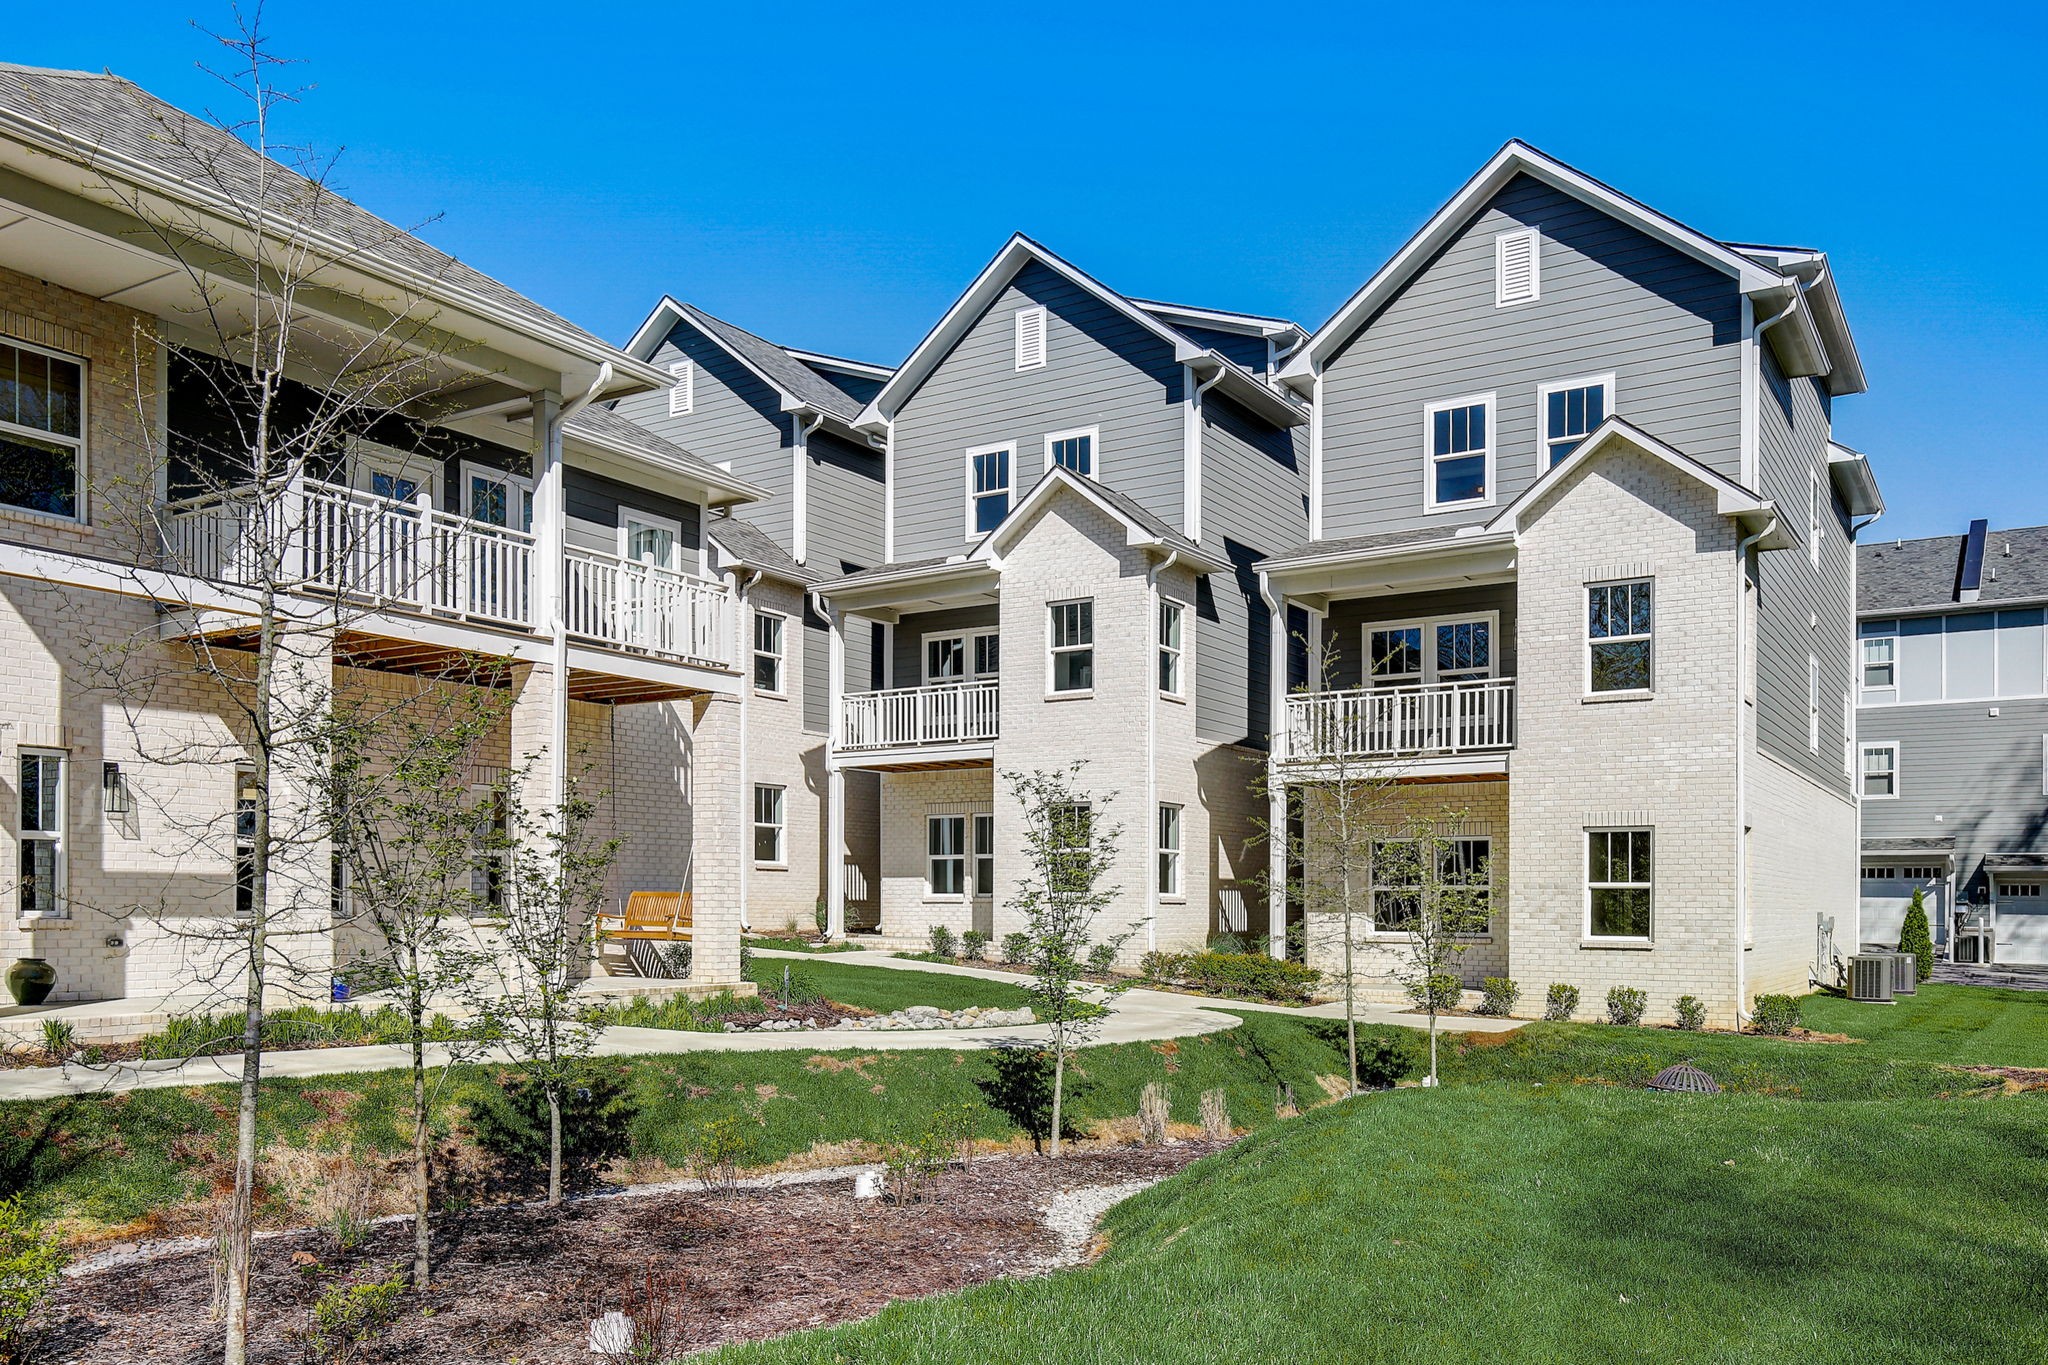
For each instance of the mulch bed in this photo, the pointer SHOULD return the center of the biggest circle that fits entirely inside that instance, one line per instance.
(523, 1285)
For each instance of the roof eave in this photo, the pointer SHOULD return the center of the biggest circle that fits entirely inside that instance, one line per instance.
(1855, 481)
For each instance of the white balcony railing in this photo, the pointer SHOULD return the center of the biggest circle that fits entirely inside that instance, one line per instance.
(907, 717)
(635, 605)
(1402, 722)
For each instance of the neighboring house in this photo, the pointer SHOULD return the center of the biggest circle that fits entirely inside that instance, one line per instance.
(1580, 567)
(1952, 734)
(781, 419)
(513, 519)
(1080, 488)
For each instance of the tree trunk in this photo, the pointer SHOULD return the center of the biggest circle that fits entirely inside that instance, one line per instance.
(1432, 1046)
(1059, 1086)
(1350, 983)
(554, 1145)
(241, 1204)
(422, 1183)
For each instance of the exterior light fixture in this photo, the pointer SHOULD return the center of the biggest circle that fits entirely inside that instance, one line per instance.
(114, 795)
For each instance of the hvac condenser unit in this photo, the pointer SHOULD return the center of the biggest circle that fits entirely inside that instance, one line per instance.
(1905, 974)
(1870, 977)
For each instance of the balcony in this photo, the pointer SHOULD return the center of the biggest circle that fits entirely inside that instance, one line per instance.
(1426, 721)
(947, 716)
(640, 607)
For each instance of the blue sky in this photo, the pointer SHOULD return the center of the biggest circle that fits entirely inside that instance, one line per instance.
(831, 176)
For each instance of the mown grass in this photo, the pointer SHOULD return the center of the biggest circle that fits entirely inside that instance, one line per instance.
(1965, 1025)
(798, 945)
(887, 989)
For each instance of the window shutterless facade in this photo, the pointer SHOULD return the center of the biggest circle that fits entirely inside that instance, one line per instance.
(768, 652)
(1169, 851)
(989, 487)
(1455, 649)
(1880, 660)
(1569, 411)
(1170, 653)
(1880, 771)
(958, 657)
(945, 845)
(1458, 453)
(769, 830)
(1072, 644)
(42, 833)
(1075, 451)
(984, 856)
(1619, 883)
(1620, 627)
(1400, 879)
(42, 430)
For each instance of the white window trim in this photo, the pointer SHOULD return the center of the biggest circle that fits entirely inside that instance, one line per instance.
(470, 469)
(780, 654)
(1865, 746)
(977, 854)
(967, 483)
(1181, 652)
(1863, 683)
(1812, 693)
(1588, 640)
(968, 672)
(1373, 886)
(780, 826)
(59, 838)
(1586, 877)
(77, 444)
(655, 521)
(1174, 857)
(1500, 249)
(1429, 459)
(963, 857)
(1428, 625)
(1052, 654)
(1543, 392)
(1044, 338)
(1816, 529)
(1094, 435)
(366, 459)
(682, 393)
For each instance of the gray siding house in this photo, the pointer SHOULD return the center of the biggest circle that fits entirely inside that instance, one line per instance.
(1580, 573)
(1952, 740)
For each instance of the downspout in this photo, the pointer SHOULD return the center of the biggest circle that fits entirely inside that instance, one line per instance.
(739, 615)
(1152, 757)
(1742, 742)
(800, 484)
(1276, 754)
(1191, 481)
(558, 620)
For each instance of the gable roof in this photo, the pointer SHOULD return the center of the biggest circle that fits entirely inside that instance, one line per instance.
(748, 545)
(1232, 379)
(1142, 527)
(795, 375)
(1770, 278)
(1922, 575)
(1222, 319)
(596, 424)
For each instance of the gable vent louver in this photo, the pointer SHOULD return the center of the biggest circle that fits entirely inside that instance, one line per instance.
(1516, 268)
(1030, 338)
(682, 394)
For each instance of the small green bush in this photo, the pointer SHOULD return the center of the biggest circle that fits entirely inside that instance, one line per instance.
(1383, 1061)
(1560, 1002)
(511, 1123)
(348, 1315)
(974, 945)
(1625, 1006)
(1101, 958)
(1252, 976)
(943, 943)
(1499, 995)
(58, 1037)
(1440, 990)
(1776, 1015)
(1691, 1012)
(1915, 938)
(30, 1262)
(1016, 948)
(1233, 944)
(1163, 967)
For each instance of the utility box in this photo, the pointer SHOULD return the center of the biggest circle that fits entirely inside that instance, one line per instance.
(1870, 977)
(1905, 974)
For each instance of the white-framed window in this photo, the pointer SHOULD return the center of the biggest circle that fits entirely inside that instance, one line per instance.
(1517, 267)
(645, 538)
(945, 846)
(1816, 510)
(1457, 453)
(989, 484)
(959, 655)
(1877, 872)
(1172, 616)
(1619, 885)
(490, 855)
(984, 856)
(42, 430)
(1399, 879)
(1620, 636)
(1813, 702)
(1071, 831)
(1848, 739)
(43, 853)
(1450, 649)
(769, 634)
(770, 848)
(1078, 451)
(1879, 780)
(1169, 851)
(245, 840)
(1072, 645)
(1920, 872)
(682, 388)
(1880, 660)
(1030, 325)
(2018, 890)
(1567, 412)
(497, 497)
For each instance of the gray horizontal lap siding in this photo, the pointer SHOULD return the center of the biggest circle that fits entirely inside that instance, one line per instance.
(1103, 370)
(843, 504)
(592, 502)
(1249, 352)
(1344, 630)
(907, 663)
(1612, 299)
(1981, 774)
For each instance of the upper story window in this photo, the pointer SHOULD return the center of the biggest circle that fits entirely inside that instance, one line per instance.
(958, 657)
(1072, 643)
(42, 833)
(1619, 636)
(1880, 777)
(1171, 615)
(1074, 451)
(1517, 268)
(1452, 650)
(1880, 661)
(988, 488)
(1954, 656)
(1030, 338)
(768, 652)
(1568, 412)
(42, 429)
(682, 389)
(1458, 451)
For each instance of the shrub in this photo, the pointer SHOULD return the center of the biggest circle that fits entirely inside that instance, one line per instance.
(1251, 975)
(1163, 967)
(821, 918)
(1776, 1015)
(1915, 938)
(1438, 992)
(1560, 1002)
(1227, 943)
(1101, 958)
(1625, 1006)
(910, 1163)
(974, 945)
(1216, 1125)
(797, 987)
(1016, 948)
(721, 1146)
(1152, 1114)
(511, 1123)
(58, 1037)
(30, 1263)
(1385, 1055)
(1692, 1013)
(1499, 996)
(943, 942)
(346, 1316)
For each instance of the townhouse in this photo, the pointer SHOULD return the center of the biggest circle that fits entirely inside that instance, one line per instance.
(1952, 740)
(504, 514)
(1079, 487)
(1580, 573)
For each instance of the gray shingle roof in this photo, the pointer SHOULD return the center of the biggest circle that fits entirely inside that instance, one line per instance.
(1317, 549)
(752, 546)
(1903, 575)
(784, 370)
(1938, 843)
(1135, 510)
(88, 113)
(600, 423)
(852, 580)
(2017, 862)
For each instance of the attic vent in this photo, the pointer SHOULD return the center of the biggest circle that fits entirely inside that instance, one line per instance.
(1030, 338)
(1516, 268)
(682, 395)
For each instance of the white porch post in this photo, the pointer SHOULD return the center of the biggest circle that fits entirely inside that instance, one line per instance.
(549, 541)
(1276, 791)
(835, 784)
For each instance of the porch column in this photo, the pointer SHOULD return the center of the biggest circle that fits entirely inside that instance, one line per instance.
(1276, 790)
(549, 620)
(717, 847)
(835, 779)
(304, 937)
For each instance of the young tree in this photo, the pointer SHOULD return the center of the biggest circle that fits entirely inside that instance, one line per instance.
(1916, 938)
(1440, 897)
(1068, 851)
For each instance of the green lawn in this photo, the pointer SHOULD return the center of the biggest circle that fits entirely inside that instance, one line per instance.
(1964, 1025)
(1508, 1223)
(797, 945)
(886, 989)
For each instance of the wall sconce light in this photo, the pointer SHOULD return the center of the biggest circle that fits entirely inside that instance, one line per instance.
(114, 796)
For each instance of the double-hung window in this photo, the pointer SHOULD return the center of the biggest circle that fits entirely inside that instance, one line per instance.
(42, 429)
(1170, 622)
(1568, 412)
(769, 826)
(1070, 834)
(1393, 654)
(1458, 450)
(1073, 646)
(1073, 451)
(1880, 776)
(1396, 885)
(988, 487)
(1462, 881)
(768, 656)
(1619, 636)
(1455, 649)
(984, 856)
(1618, 883)
(489, 853)
(1880, 661)
(1169, 850)
(945, 846)
(42, 834)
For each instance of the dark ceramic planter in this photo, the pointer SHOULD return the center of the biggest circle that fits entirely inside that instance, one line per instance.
(30, 980)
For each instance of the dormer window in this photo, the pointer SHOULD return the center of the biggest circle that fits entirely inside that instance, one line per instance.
(1030, 338)
(1517, 268)
(682, 389)
(42, 429)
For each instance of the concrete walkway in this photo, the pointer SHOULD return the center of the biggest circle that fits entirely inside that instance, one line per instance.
(1136, 1016)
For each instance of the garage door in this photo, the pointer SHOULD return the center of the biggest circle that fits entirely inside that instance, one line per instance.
(1887, 892)
(2022, 923)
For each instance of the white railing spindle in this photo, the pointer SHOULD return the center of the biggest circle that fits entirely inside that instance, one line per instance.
(1397, 722)
(904, 717)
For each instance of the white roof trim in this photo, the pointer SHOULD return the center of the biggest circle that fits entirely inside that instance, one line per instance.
(1854, 481)
(648, 337)
(1223, 320)
(818, 360)
(1516, 158)
(993, 545)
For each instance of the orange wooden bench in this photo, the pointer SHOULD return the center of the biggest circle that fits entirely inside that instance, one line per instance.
(659, 915)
